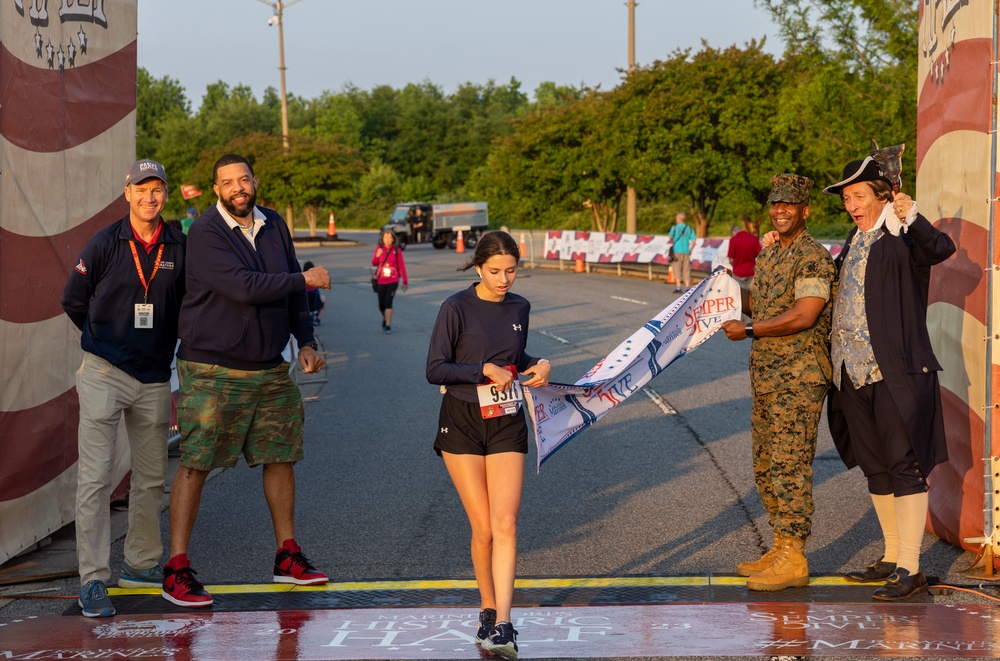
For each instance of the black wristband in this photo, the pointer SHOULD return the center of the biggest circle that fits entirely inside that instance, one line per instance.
(749, 330)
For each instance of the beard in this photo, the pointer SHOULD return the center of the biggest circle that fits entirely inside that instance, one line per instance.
(242, 210)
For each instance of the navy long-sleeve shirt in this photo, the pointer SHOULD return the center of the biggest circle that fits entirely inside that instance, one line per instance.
(242, 305)
(470, 332)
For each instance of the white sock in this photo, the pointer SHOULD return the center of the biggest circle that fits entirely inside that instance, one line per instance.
(911, 517)
(885, 510)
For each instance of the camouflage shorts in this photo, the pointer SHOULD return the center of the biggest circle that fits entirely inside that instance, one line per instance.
(224, 412)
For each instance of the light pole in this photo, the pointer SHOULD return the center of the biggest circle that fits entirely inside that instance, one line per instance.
(277, 19)
(279, 8)
(630, 201)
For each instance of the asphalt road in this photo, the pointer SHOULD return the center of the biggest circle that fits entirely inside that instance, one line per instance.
(657, 487)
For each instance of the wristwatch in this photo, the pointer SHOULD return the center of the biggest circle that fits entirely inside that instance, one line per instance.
(749, 330)
(312, 345)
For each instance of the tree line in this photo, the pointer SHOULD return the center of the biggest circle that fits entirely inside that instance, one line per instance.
(698, 131)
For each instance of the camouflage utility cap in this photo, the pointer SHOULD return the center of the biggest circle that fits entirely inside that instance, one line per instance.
(791, 188)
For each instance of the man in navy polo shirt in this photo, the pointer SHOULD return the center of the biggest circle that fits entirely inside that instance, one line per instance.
(124, 294)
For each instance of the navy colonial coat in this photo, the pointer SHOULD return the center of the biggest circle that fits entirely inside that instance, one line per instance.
(896, 282)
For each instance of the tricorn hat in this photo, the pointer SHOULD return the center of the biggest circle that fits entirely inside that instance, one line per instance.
(856, 172)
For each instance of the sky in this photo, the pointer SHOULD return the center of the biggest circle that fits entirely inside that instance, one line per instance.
(366, 43)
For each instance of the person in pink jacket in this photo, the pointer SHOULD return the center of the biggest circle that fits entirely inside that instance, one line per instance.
(388, 260)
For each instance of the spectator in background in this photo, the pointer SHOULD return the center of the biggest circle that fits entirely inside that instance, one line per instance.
(418, 225)
(186, 223)
(388, 259)
(125, 295)
(317, 301)
(743, 250)
(683, 238)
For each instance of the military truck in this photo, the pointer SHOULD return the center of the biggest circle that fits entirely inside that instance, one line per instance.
(438, 223)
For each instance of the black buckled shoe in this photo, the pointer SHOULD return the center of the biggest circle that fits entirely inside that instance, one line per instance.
(900, 585)
(875, 572)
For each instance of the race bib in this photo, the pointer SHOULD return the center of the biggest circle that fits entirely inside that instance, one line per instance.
(494, 402)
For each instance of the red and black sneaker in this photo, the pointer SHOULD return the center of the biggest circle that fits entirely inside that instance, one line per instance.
(291, 566)
(181, 587)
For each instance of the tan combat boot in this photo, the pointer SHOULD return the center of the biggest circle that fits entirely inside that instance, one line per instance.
(757, 566)
(789, 569)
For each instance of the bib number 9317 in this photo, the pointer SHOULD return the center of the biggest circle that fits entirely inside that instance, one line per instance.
(494, 402)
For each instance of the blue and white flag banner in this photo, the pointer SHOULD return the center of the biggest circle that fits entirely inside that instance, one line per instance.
(561, 411)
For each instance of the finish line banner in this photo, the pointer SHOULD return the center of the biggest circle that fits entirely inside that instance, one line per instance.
(561, 411)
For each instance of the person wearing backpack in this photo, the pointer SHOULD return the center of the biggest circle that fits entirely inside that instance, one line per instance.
(683, 238)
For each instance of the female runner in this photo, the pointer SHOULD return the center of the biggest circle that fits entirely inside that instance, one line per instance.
(479, 338)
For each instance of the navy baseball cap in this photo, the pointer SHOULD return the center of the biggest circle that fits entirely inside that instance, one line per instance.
(145, 169)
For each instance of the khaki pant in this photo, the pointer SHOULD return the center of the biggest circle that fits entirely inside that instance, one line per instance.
(107, 395)
(681, 267)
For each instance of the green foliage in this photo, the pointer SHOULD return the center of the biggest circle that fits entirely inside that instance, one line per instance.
(381, 185)
(332, 116)
(157, 100)
(700, 132)
(548, 94)
(558, 161)
(700, 126)
(854, 79)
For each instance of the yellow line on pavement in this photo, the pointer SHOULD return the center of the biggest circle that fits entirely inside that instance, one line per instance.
(466, 584)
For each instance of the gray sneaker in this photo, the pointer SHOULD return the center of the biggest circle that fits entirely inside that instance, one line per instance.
(94, 600)
(502, 640)
(141, 578)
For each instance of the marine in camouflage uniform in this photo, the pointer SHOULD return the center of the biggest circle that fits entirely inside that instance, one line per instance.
(790, 304)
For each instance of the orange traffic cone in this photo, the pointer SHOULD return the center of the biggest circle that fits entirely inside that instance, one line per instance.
(331, 229)
(580, 268)
(460, 242)
(670, 276)
(523, 247)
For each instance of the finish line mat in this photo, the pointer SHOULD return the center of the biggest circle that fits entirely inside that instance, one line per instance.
(586, 591)
(711, 630)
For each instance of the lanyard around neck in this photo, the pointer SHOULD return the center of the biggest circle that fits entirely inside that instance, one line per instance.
(138, 268)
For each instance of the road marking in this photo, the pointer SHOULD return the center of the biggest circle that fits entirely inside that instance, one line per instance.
(629, 300)
(659, 401)
(554, 337)
(467, 584)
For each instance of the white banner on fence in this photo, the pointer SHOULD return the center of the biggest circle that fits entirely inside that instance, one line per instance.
(607, 248)
(561, 411)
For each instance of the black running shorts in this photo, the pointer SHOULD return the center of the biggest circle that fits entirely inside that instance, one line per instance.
(462, 430)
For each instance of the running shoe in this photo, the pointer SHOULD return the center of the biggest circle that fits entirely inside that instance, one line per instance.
(181, 587)
(140, 578)
(94, 600)
(502, 640)
(487, 618)
(292, 566)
